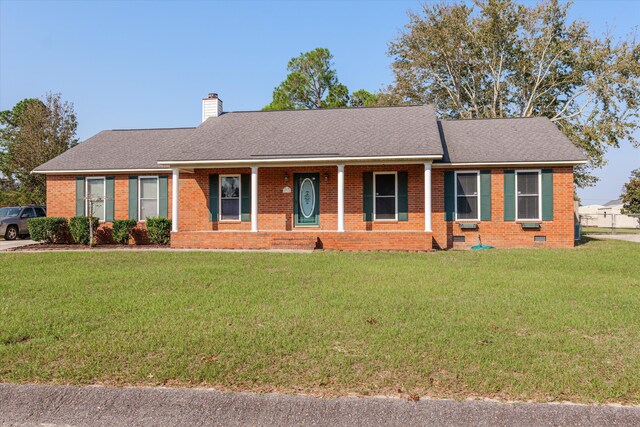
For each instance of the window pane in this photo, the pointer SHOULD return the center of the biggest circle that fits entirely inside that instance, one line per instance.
(40, 212)
(148, 208)
(95, 194)
(98, 210)
(386, 185)
(230, 186)
(528, 183)
(95, 188)
(148, 188)
(467, 207)
(527, 207)
(467, 184)
(230, 209)
(385, 208)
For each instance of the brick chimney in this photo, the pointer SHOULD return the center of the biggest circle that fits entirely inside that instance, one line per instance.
(211, 106)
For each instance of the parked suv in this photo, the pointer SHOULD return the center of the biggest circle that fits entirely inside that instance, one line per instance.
(13, 220)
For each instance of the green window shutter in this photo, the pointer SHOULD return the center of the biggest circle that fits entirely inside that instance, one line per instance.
(133, 197)
(213, 197)
(367, 196)
(449, 195)
(509, 195)
(79, 195)
(485, 195)
(245, 197)
(163, 190)
(547, 194)
(109, 204)
(403, 196)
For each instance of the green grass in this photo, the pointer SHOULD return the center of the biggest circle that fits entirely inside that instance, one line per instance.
(604, 230)
(513, 324)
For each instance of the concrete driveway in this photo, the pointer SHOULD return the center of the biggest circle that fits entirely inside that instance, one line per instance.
(9, 244)
(626, 237)
(31, 405)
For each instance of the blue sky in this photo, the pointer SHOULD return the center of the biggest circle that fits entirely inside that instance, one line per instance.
(147, 64)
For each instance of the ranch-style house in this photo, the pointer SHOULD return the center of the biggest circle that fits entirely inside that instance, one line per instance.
(379, 178)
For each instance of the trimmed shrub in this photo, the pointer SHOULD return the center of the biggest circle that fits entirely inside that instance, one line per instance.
(48, 229)
(121, 231)
(159, 230)
(79, 227)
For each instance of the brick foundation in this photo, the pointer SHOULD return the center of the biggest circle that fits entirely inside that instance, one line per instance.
(348, 241)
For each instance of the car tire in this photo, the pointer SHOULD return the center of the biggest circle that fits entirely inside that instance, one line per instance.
(11, 233)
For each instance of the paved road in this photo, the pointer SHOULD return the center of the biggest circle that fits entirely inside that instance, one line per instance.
(8, 244)
(38, 405)
(627, 237)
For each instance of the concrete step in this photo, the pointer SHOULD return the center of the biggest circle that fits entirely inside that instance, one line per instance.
(294, 242)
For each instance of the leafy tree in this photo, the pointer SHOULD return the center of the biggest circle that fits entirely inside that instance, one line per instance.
(631, 194)
(503, 59)
(312, 82)
(31, 133)
(363, 98)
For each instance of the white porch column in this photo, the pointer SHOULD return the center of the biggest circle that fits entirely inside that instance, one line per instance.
(427, 197)
(254, 198)
(175, 181)
(340, 198)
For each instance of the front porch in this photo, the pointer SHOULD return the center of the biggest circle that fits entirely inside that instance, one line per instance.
(305, 240)
(303, 207)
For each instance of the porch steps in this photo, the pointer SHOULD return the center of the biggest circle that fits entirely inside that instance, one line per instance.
(300, 242)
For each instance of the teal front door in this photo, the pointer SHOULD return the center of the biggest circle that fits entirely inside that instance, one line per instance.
(306, 199)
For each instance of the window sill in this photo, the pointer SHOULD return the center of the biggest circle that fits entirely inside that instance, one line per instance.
(531, 225)
(468, 225)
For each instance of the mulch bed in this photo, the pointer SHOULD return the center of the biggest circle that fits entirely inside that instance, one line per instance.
(41, 247)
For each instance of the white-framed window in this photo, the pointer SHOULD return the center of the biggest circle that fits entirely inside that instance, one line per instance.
(95, 195)
(528, 197)
(467, 192)
(230, 188)
(148, 197)
(385, 196)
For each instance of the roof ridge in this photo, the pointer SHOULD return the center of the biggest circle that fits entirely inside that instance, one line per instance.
(491, 118)
(328, 108)
(127, 130)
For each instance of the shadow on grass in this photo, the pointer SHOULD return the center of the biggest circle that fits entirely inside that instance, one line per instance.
(584, 240)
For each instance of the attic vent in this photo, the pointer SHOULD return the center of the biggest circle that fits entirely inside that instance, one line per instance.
(540, 239)
(459, 239)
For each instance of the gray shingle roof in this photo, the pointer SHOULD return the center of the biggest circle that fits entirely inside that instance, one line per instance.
(119, 149)
(357, 132)
(353, 132)
(533, 139)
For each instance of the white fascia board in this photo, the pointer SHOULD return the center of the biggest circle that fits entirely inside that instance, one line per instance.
(551, 163)
(316, 161)
(99, 171)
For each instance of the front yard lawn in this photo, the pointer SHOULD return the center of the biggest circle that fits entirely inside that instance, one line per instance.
(512, 324)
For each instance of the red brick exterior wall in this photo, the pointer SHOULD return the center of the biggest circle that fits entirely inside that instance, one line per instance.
(501, 233)
(276, 222)
(61, 202)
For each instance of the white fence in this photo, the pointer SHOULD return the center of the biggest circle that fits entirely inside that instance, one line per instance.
(610, 221)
